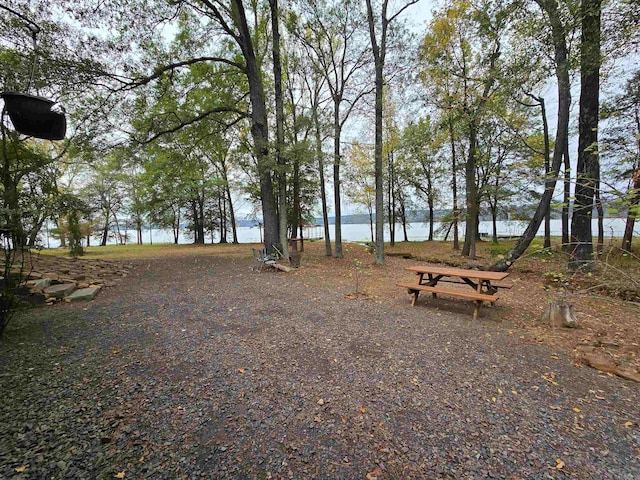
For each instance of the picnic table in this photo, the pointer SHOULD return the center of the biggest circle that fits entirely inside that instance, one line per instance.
(484, 285)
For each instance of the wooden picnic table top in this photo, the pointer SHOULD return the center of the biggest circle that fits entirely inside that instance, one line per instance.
(459, 272)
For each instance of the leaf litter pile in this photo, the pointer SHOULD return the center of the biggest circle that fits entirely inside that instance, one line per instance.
(197, 367)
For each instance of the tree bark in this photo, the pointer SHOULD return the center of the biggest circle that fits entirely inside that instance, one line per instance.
(280, 160)
(566, 198)
(600, 210)
(391, 196)
(430, 202)
(634, 202)
(588, 168)
(336, 181)
(227, 190)
(320, 160)
(472, 201)
(259, 127)
(454, 186)
(378, 51)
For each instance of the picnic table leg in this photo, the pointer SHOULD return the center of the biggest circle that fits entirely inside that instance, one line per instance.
(415, 297)
(478, 303)
(434, 295)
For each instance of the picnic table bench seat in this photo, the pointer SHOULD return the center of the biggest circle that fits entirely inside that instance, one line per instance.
(448, 291)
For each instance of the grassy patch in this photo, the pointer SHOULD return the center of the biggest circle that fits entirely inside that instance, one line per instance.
(133, 251)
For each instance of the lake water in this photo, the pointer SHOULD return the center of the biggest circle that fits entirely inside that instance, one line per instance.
(613, 227)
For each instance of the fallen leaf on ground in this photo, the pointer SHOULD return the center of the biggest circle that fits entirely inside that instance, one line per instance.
(21, 468)
(119, 475)
(373, 474)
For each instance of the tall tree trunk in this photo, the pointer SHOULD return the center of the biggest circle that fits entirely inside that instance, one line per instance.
(566, 198)
(403, 212)
(337, 129)
(176, 225)
(600, 211)
(431, 219)
(454, 187)
(296, 219)
(198, 231)
(296, 226)
(550, 7)
(371, 227)
(588, 168)
(223, 169)
(105, 230)
(280, 160)
(320, 160)
(494, 223)
(632, 214)
(259, 127)
(472, 201)
(378, 159)
(391, 200)
(378, 59)
(222, 201)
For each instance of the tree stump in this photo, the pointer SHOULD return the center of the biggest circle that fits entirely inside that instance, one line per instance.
(560, 314)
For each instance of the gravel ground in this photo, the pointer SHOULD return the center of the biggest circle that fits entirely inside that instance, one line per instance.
(196, 367)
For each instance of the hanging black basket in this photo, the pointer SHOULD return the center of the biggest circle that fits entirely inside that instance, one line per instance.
(35, 116)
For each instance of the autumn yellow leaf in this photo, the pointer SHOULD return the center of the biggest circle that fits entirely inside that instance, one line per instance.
(363, 410)
(500, 391)
(241, 370)
(559, 464)
(576, 409)
(628, 424)
(119, 475)
(493, 399)
(21, 468)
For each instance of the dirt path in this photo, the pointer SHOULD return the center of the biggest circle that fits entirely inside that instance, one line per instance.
(195, 367)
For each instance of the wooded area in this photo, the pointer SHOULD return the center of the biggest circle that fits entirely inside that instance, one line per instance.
(184, 112)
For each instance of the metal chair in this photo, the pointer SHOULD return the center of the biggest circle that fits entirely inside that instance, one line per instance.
(263, 258)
